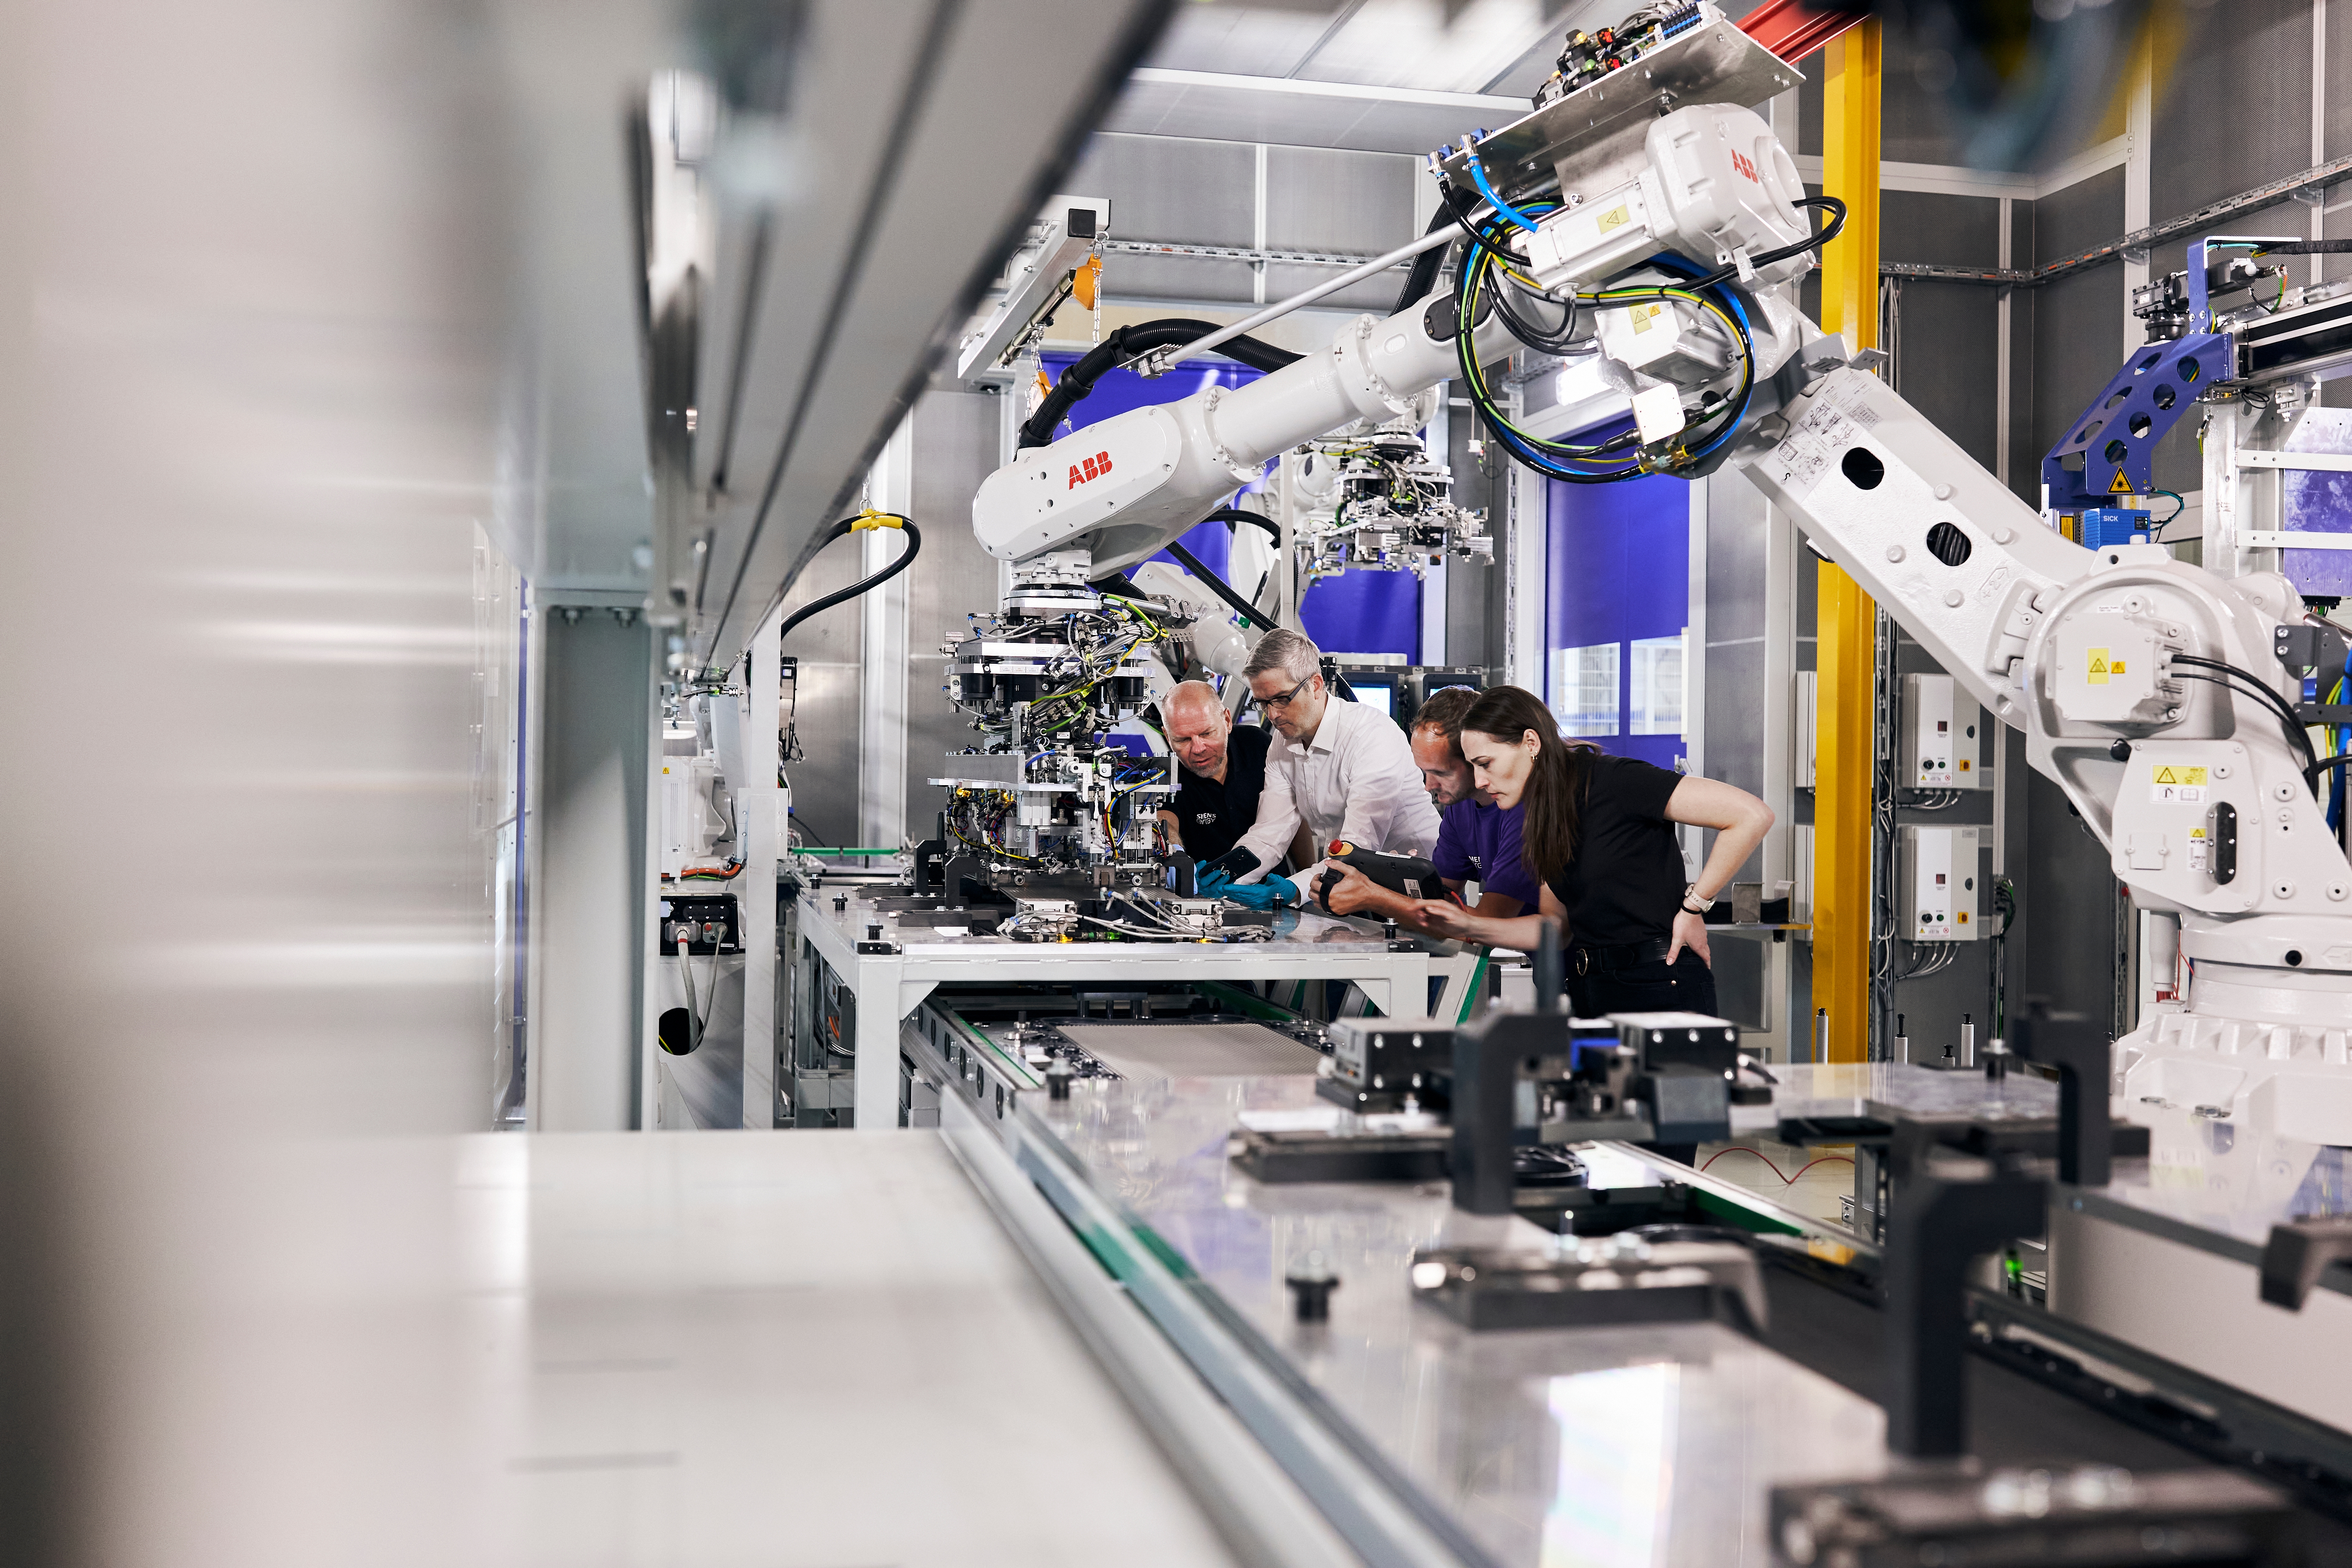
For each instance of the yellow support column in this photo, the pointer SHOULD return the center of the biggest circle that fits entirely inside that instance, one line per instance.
(1847, 624)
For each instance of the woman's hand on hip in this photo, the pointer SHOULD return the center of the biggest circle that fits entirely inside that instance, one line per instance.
(1690, 931)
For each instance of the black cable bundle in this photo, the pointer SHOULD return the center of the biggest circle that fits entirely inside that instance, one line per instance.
(1132, 342)
(840, 529)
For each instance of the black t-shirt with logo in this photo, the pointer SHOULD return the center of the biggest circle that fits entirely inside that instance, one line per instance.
(1211, 817)
(1627, 877)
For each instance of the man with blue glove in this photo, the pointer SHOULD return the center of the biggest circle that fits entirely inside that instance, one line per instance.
(1335, 769)
(1477, 839)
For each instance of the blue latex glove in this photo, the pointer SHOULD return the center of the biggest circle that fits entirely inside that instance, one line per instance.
(1210, 884)
(1272, 893)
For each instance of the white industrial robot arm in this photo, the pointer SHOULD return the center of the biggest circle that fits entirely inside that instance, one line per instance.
(1122, 489)
(2138, 679)
(2148, 687)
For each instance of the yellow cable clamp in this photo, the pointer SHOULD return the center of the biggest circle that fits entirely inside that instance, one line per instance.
(869, 518)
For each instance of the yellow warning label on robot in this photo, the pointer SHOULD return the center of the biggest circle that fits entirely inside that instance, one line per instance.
(1617, 216)
(2172, 784)
(2099, 670)
(1646, 316)
(2122, 486)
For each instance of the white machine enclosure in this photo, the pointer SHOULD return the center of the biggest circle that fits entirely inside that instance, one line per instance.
(2080, 649)
(1936, 881)
(1941, 732)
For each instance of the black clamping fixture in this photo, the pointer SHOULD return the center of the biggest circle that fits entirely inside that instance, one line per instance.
(2299, 1252)
(1184, 875)
(1938, 1227)
(930, 853)
(2081, 1052)
(1486, 1058)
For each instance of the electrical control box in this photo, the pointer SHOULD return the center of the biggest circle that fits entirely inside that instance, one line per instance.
(1936, 883)
(1941, 729)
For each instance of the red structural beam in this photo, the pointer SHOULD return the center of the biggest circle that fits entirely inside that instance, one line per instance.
(1795, 28)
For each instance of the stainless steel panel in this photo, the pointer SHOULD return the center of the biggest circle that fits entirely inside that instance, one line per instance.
(589, 903)
(955, 448)
(1592, 127)
(2165, 1256)
(825, 713)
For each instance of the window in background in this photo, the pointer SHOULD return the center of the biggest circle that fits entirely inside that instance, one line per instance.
(1655, 691)
(1584, 689)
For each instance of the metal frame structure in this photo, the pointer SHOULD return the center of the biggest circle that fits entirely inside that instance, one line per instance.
(890, 978)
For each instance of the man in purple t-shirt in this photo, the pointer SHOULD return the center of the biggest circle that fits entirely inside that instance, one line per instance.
(1477, 841)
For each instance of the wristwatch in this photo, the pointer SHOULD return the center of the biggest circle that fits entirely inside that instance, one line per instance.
(1691, 892)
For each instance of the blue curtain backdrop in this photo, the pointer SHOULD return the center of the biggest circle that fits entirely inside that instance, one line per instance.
(1618, 564)
(1356, 612)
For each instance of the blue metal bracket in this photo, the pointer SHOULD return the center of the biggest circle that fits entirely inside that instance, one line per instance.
(2200, 263)
(2116, 435)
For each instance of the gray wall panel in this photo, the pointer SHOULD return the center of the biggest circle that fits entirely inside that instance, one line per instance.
(1920, 226)
(1126, 277)
(1165, 187)
(1913, 126)
(2087, 213)
(1321, 199)
(1375, 294)
(2238, 111)
(2079, 345)
(2024, 456)
(1949, 361)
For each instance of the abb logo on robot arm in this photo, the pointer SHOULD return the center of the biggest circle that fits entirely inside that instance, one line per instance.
(1094, 467)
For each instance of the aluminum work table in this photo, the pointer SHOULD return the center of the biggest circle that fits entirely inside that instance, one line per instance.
(889, 985)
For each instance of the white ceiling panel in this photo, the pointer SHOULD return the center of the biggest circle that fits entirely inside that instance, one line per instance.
(1163, 102)
(1240, 38)
(1413, 44)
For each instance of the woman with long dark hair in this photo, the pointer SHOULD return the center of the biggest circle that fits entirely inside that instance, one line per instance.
(1598, 833)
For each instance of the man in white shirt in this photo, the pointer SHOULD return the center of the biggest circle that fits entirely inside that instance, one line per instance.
(1338, 770)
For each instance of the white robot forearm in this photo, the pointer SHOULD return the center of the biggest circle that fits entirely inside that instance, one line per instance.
(1122, 488)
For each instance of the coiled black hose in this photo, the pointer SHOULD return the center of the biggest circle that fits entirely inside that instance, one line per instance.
(847, 526)
(1132, 342)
